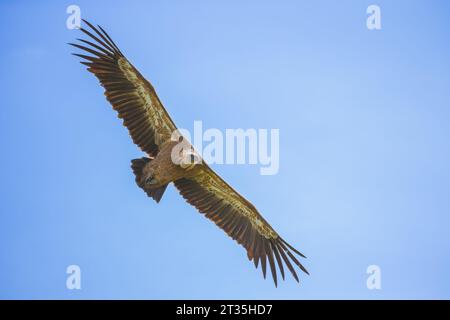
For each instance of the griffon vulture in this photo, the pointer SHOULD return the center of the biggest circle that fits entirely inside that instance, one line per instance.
(151, 128)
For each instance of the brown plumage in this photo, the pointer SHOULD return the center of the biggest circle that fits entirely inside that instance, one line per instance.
(151, 128)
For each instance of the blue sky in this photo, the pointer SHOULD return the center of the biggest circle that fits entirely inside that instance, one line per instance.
(364, 155)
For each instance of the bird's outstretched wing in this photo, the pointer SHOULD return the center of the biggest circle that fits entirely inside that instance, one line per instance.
(231, 212)
(130, 94)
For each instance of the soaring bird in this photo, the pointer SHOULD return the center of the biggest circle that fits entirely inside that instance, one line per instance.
(151, 128)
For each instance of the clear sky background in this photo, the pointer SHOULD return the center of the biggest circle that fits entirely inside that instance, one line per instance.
(364, 158)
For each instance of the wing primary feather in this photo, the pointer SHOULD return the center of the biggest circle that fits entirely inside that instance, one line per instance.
(104, 64)
(96, 53)
(256, 251)
(112, 42)
(262, 252)
(278, 258)
(97, 39)
(89, 58)
(110, 45)
(293, 258)
(96, 47)
(292, 248)
(271, 261)
(288, 264)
